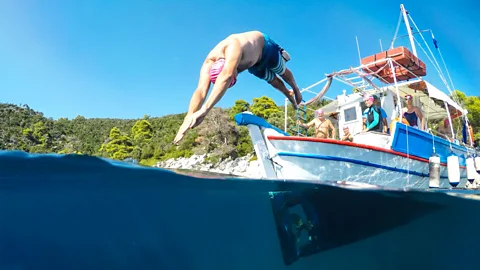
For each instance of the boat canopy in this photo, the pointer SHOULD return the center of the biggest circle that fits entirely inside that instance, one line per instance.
(433, 101)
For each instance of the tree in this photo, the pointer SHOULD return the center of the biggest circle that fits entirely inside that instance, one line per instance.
(118, 146)
(239, 107)
(142, 134)
(264, 107)
(472, 104)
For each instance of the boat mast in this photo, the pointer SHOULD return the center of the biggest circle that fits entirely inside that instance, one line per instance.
(409, 29)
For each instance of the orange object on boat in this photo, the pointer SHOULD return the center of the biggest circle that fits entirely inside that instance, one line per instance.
(395, 121)
(405, 61)
(418, 86)
(470, 131)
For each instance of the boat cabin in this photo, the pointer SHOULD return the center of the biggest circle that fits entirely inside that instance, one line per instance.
(434, 105)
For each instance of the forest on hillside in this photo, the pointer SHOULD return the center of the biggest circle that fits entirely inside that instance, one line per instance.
(149, 139)
(146, 140)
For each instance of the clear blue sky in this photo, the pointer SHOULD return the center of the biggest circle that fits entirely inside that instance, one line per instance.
(124, 59)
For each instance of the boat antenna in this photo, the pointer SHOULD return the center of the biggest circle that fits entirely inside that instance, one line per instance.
(358, 49)
(381, 47)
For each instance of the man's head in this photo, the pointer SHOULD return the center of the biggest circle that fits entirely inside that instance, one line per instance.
(368, 99)
(217, 67)
(446, 123)
(319, 113)
(376, 100)
(346, 130)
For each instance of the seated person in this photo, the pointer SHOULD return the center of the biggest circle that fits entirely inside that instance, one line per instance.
(322, 125)
(347, 137)
(412, 112)
(444, 130)
(373, 120)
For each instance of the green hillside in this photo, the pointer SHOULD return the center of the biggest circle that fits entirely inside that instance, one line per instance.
(150, 139)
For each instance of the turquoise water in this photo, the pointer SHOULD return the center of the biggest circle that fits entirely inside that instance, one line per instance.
(79, 212)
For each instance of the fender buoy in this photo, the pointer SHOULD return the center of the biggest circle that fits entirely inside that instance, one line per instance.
(470, 169)
(434, 172)
(477, 163)
(453, 168)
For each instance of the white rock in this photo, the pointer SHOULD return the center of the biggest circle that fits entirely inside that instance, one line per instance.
(240, 166)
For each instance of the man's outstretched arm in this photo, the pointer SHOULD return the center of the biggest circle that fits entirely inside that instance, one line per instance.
(233, 54)
(203, 86)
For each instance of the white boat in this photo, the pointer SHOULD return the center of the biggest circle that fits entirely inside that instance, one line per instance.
(399, 159)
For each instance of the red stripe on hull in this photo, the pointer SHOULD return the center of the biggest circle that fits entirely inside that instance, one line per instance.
(352, 144)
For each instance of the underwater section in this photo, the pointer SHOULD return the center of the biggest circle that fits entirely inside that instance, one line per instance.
(83, 212)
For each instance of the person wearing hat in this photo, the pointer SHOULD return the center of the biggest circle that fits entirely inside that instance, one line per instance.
(382, 111)
(373, 119)
(412, 113)
(322, 125)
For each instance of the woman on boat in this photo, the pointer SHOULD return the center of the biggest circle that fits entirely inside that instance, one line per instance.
(374, 121)
(412, 113)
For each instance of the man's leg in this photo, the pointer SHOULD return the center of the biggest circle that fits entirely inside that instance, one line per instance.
(287, 76)
(279, 85)
(280, 68)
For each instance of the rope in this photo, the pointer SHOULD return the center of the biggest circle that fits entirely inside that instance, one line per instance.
(428, 47)
(396, 30)
(408, 157)
(441, 57)
(433, 142)
(321, 93)
(430, 59)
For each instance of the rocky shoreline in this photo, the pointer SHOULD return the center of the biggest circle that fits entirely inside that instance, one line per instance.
(241, 166)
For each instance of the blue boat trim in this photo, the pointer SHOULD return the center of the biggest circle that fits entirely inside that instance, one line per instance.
(244, 119)
(355, 161)
(420, 144)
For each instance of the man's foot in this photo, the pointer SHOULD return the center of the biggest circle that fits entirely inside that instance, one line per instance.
(291, 97)
(298, 97)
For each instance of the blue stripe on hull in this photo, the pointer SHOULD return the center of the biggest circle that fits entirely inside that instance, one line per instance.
(420, 144)
(355, 161)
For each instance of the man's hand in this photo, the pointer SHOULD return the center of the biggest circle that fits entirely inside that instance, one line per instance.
(197, 118)
(183, 129)
(190, 122)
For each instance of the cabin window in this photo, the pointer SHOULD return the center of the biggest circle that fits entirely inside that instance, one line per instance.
(350, 114)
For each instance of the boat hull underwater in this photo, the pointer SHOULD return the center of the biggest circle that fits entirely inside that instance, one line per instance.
(82, 212)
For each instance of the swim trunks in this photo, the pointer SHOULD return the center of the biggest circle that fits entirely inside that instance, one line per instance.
(271, 62)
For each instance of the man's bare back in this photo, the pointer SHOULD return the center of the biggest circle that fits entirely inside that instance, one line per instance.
(251, 45)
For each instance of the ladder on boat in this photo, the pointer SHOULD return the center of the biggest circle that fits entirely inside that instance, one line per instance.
(303, 118)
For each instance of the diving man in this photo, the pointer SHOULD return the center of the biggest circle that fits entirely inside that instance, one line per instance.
(252, 50)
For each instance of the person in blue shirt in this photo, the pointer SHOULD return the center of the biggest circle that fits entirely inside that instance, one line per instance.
(376, 103)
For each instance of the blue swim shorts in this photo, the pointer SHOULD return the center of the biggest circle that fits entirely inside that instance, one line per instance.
(271, 63)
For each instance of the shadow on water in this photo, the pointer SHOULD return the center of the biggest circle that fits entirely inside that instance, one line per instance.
(78, 212)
